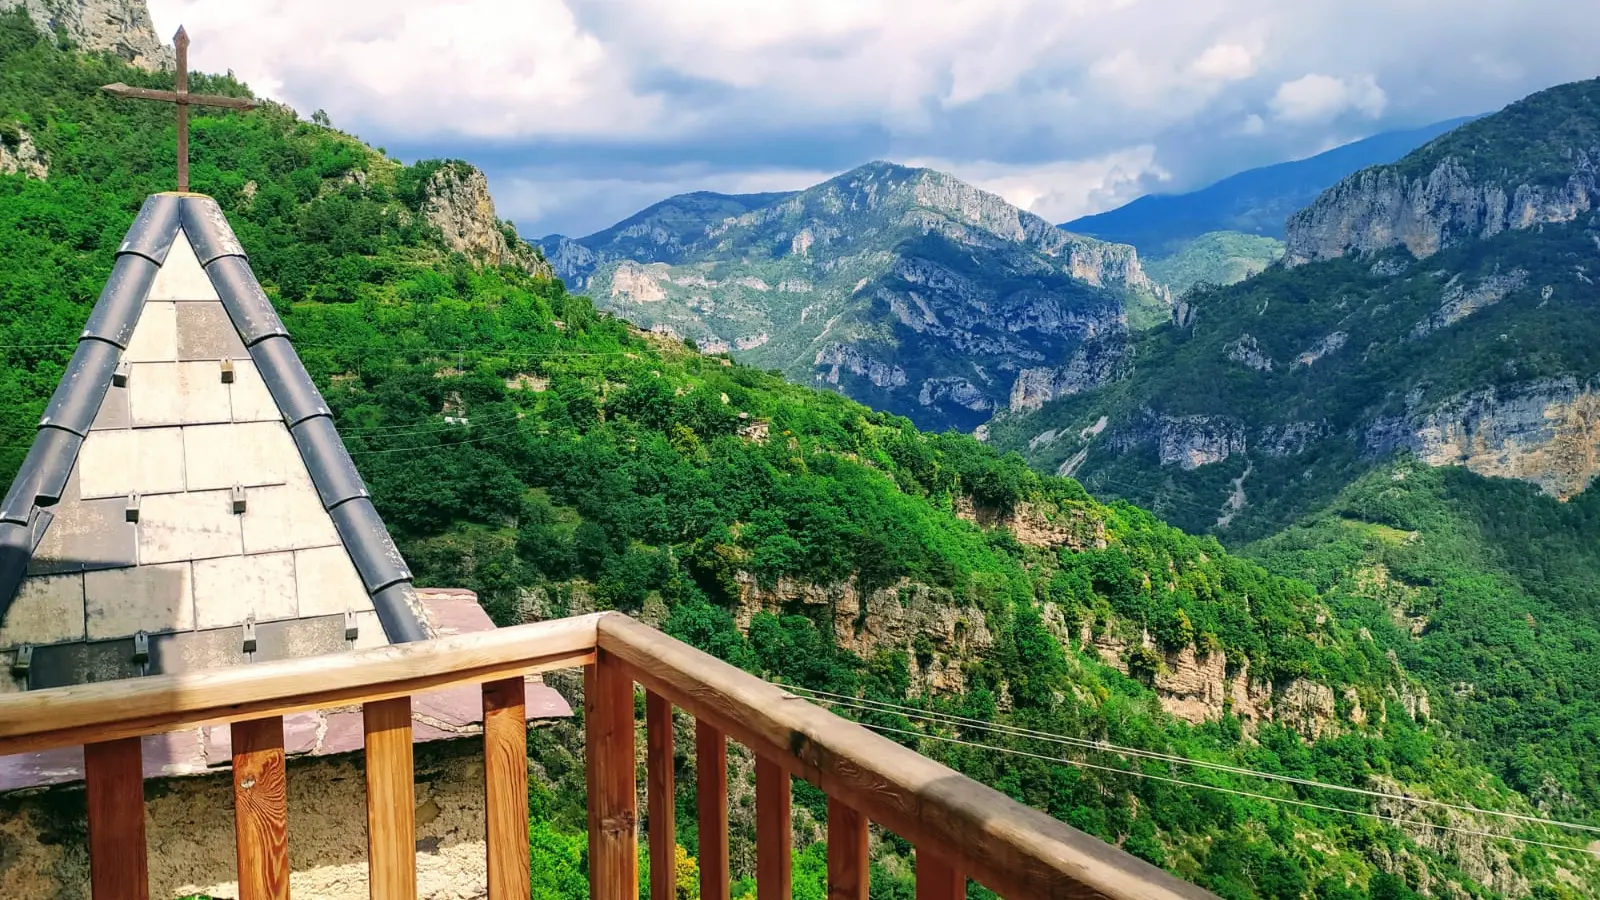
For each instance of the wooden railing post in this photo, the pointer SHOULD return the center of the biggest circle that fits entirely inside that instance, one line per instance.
(261, 809)
(847, 852)
(711, 802)
(114, 782)
(937, 879)
(660, 804)
(505, 787)
(391, 800)
(613, 806)
(774, 865)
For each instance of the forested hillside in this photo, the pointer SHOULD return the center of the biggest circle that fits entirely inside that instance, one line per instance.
(795, 533)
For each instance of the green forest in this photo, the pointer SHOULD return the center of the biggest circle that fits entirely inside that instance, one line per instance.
(607, 469)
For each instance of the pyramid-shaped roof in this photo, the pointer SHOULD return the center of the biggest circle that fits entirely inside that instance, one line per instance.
(187, 502)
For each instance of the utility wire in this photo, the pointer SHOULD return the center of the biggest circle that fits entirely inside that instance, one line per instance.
(1211, 787)
(1105, 746)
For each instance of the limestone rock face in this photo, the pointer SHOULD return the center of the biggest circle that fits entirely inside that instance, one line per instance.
(119, 27)
(848, 358)
(1093, 364)
(1380, 208)
(457, 202)
(1051, 529)
(19, 155)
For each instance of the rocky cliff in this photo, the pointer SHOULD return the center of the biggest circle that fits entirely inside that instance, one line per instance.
(120, 27)
(456, 201)
(19, 155)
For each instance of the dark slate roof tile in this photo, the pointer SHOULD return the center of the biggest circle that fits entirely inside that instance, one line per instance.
(43, 474)
(117, 311)
(371, 548)
(154, 228)
(208, 230)
(77, 397)
(247, 304)
(328, 462)
(400, 612)
(287, 380)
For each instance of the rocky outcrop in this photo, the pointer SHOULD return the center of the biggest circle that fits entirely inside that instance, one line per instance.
(1094, 363)
(1546, 432)
(119, 27)
(1381, 207)
(890, 618)
(1246, 352)
(1048, 527)
(1460, 301)
(844, 357)
(1187, 442)
(1290, 439)
(456, 201)
(1326, 345)
(18, 155)
(958, 391)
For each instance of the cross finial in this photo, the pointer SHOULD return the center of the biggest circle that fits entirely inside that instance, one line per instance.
(183, 99)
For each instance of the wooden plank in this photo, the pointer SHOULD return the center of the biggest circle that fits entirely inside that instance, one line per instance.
(261, 809)
(613, 782)
(774, 830)
(660, 804)
(711, 803)
(937, 879)
(847, 852)
(391, 801)
(38, 720)
(114, 782)
(1007, 847)
(505, 775)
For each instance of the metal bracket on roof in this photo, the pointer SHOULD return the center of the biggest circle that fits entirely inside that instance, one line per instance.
(238, 498)
(23, 660)
(119, 377)
(250, 633)
(141, 647)
(227, 371)
(131, 513)
(351, 628)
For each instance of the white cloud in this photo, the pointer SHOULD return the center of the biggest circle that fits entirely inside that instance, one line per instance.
(1059, 191)
(1225, 62)
(1253, 125)
(1322, 98)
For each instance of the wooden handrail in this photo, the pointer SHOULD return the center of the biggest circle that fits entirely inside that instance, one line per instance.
(88, 713)
(1012, 849)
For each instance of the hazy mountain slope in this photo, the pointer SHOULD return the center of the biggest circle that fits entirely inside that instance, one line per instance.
(1216, 257)
(1256, 201)
(903, 288)
(1482, 353)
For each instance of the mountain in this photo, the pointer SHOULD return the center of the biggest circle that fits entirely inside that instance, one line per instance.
(903, 288)
(1442, 306)
(1255, 201)
(587, 464)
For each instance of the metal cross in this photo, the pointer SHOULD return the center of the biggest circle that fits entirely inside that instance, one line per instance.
(183, 99)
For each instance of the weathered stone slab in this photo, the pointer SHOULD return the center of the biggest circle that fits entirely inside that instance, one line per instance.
(176, 527)
(86, 534)
(247, 453)
(148, 598)
(286, 517)
(47, 609)
(181, 276)
(187, 393)
(252, 401)
(369, 632)
(155, 338)
(113, 412)
(327, 582)
(228, 590)
(206, 332)
(146, 460)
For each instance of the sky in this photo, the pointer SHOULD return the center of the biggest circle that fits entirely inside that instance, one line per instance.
(582, 112)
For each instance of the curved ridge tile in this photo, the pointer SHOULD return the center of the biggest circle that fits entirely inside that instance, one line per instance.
(117, 311)
(400, 613)
(369, 545)
(82, 388)
(247, 304)
(43, 475)
(208, 230)
(287, 380)
(154, 228)
(331, 468)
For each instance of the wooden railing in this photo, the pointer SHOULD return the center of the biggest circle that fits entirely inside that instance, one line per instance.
(960, 828)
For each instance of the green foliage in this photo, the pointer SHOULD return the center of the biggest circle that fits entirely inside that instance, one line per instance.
(1214, 258)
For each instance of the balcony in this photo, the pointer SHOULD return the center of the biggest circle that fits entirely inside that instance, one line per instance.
(962, 830)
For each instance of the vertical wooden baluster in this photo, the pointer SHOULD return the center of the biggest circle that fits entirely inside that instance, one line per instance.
(938, 880)
(613, 805)
(711, 801)
(773, 829)
(114, 782)
(505, 777)
(391, 801)
(847, 853)
(261, 809)
(660, 804)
